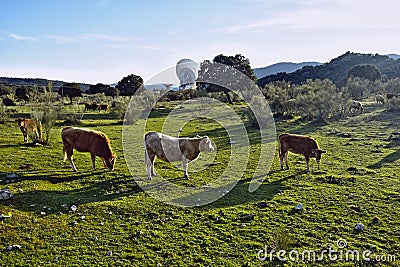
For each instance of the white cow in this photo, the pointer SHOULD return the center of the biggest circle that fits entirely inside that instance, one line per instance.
(172, 149)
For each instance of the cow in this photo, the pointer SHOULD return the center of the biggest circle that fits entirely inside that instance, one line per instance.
(87, 140)
(91, 106)
(379, 99)
(298, 144)
(390, 95)
(172, 149)
(28, 126)
(356, 105)
(102, 107)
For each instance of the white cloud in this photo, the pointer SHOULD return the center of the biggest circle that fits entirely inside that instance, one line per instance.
(17, 37)
(90, 37)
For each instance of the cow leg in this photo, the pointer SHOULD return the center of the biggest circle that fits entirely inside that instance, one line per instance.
(93, 156)
(25, 138)
(149, 158)
(184, 166)
(286, 156)
(280, 157)
(71, 163)
(307, 161)
(68, 151)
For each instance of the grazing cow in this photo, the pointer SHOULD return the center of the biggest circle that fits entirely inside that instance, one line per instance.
(298, 144)
(390, 95)
(29, 125)
(86, 140)
(356, 105)
(380, 99)
(171, 149)
(103, 107)
(91, 106)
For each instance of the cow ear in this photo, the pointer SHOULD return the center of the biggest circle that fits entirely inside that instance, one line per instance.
(198, 136)
(205, 137)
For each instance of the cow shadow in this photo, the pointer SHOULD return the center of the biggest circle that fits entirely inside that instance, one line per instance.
(55, 201)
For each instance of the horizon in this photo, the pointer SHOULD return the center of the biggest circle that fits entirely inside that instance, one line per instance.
(102, 41)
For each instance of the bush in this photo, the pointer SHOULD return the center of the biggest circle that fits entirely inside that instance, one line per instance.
(47, 114)
(393, 104)
(4, 116)
(8, 102)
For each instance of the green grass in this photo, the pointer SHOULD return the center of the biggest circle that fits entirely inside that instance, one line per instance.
(356, 181)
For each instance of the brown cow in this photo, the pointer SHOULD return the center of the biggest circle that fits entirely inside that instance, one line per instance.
(91, 106)
(390, 95)
(29, 125)
(298, 144)
(171, 149)
(86, 140)
(102, 107)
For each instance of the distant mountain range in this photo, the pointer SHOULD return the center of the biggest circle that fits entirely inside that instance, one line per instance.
(337, 69)
(282, 67)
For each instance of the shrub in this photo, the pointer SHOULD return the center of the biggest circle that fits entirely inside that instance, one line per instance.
(47, 114)
(8, 102)
(4, 116)
(393, 104)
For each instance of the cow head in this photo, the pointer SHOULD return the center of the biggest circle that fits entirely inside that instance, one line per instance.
(317, 153)
(21, 122)
(110, 162)
(205, 144)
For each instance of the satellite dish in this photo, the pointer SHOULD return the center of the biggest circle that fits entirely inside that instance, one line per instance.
(187, 71)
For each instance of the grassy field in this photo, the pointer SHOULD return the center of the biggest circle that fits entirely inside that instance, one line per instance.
(117, 223)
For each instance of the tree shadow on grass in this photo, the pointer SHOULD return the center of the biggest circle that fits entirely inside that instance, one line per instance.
(392, 157)
(61, 200)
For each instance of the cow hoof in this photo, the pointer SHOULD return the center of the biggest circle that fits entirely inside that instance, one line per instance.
(186, 177)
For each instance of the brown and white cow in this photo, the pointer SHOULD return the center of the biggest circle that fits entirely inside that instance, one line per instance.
(298, 144)
(87, 140)
(356, 105)
(172, 149)
(29, 125)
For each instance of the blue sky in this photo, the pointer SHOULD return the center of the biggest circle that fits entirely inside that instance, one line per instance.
(104, 40)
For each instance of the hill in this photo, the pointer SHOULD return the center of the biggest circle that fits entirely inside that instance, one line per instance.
(337, 69)
(281, 67)
(37, 82)
(394, 56)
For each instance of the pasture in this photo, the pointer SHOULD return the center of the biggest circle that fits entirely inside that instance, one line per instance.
(117, 224)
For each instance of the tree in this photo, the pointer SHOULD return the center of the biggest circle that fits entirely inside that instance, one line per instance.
(112, 91)
(366, 71)
(220, 66)
(5, 90)
(98, 88)
(70, 90)
(26, 92)
(129, 84)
